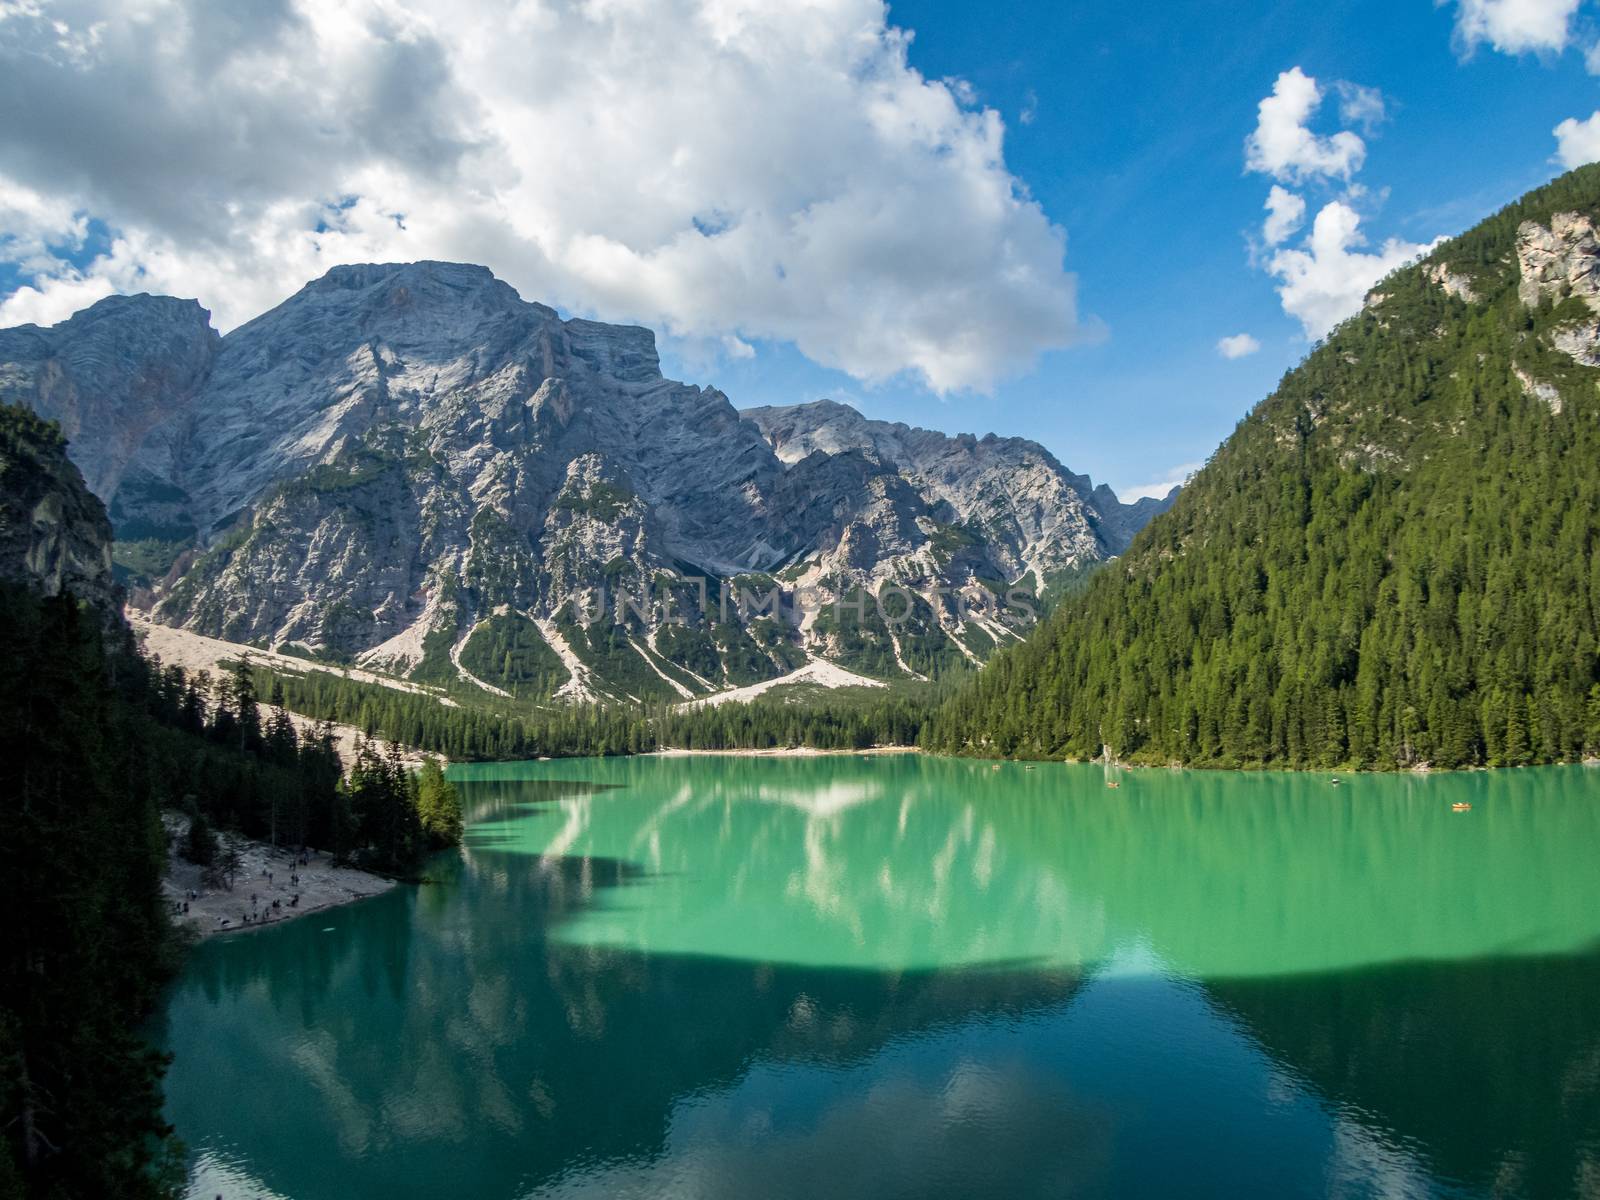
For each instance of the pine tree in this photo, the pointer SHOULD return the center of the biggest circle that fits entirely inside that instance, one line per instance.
(240, 690)
(438, 806)
(85, 948)
(200, 847)
(229, 860)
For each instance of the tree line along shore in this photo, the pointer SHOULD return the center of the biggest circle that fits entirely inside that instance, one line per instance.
(104, 743)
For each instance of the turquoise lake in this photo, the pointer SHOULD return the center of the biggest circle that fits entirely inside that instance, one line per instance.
(898, 976)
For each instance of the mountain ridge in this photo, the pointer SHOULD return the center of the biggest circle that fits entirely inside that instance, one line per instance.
(409, 465)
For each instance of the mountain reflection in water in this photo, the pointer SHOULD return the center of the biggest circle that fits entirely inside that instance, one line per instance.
(900, 976)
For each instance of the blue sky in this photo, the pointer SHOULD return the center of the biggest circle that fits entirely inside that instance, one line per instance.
(1140, 113)
(806, 197)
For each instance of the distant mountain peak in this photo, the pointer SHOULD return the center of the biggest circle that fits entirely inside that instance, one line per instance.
(798, 430)
(409, 465)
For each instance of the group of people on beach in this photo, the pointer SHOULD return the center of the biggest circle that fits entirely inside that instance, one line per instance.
(257, 914)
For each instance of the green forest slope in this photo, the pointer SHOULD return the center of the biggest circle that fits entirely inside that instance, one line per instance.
(97, 740)
(1391, 561)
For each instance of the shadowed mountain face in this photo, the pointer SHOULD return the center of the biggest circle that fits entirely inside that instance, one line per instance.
(411, 465)
(54, 535)
(112, 376)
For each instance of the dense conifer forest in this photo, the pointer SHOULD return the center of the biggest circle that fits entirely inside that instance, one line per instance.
(87, 943)
(465, 732)
(99, 740)
(1392, 561)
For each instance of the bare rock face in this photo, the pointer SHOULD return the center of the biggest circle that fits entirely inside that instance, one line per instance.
(53, 532)
(1554, 264)
(1546, 393)
(409, 465)
(1451, 283)
(1580, 342)
(1561, 261)
(118, 378)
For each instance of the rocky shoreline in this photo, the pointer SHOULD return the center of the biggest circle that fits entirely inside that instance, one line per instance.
(271, 885)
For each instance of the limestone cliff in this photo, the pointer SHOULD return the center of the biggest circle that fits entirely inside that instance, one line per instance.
(409, 465)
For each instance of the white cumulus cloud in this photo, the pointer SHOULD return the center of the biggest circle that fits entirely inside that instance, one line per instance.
(1286, 212)
(1237, 345)
(1514, 26)
(1359, 105)
(1158, 488)
(34, 226)
(721, 169)
(1326, 280)
(1283, 144)
(56, 299)
(1326, 277)
(1578, 142)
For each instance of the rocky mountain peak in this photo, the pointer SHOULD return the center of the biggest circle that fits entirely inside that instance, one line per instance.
(110, 374)
(992, 481)
(409, 465)
(624, 353)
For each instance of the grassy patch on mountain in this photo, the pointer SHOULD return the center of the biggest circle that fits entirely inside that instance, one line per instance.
(603, 501)
(606, 648)
(508, 651)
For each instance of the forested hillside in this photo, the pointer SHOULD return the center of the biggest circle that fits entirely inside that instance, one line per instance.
(1391, 561)
(844, 720)
(97, 740)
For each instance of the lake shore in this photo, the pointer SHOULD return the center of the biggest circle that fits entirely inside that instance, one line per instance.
(266, 875)
(780, 752)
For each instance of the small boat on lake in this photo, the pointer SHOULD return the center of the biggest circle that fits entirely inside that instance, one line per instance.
(1461, 806)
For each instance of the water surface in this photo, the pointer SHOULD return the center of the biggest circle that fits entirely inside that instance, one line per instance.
(897, 976)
